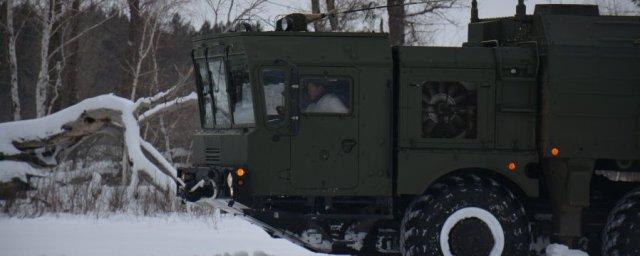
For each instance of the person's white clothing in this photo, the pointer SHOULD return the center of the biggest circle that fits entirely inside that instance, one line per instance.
(329, 103)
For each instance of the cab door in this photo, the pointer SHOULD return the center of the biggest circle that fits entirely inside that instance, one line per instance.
(324, 150)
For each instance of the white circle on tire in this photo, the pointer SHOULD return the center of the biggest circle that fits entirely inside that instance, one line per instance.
(473, 212)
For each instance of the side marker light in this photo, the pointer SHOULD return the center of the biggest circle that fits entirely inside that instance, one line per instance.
(240, 172)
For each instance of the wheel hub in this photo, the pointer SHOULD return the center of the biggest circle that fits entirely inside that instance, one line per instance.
(464, 230)
(471, 237)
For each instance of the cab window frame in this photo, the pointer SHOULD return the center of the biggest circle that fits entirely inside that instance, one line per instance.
(303, 90)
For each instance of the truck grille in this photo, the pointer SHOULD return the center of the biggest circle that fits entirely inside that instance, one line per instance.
(212, 155)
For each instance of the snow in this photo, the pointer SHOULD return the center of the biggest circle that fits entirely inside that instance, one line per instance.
(313, 238)
(563, 250)
(174, 235)
(14, 169)
(473, 212)
(125, 235)
(539, 244)
(47, 126)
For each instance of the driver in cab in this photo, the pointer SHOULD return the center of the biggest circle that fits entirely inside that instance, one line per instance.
(321, 100)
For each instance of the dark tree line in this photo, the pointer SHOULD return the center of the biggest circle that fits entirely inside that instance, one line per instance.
(95, 64)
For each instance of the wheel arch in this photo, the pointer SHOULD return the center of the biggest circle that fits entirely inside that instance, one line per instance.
(502, 179)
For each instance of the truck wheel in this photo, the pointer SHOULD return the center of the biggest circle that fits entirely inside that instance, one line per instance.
(465, 215)
(621, 235)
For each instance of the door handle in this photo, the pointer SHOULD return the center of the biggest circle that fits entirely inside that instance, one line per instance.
(347, 145)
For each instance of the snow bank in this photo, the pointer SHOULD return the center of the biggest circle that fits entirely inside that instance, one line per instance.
(563, 250)
(125, 235)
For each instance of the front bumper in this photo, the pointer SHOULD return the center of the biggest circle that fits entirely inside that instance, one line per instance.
(207, 183)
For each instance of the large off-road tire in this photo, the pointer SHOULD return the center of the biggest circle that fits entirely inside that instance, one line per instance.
(621, 235)
(465, 215)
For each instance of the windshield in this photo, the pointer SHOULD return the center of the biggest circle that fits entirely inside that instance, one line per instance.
(226, 98)
(206, 99)
(220, 95)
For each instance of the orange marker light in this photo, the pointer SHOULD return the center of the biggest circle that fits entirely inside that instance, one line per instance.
(555, 152)
(240, 172)
(511, 166)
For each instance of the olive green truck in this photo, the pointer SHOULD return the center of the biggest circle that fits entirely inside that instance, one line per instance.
(343, 144)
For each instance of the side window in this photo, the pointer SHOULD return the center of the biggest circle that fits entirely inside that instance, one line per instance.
(449, 109)
(326, 95)
(273, 83)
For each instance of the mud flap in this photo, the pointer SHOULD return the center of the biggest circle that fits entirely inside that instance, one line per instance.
(568, 182)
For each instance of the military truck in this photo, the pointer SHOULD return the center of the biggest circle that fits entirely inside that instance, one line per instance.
(343, 144)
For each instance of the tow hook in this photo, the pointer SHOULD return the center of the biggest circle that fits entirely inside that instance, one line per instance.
(200, 183)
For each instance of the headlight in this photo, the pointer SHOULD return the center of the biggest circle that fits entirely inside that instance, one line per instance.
(230, 183)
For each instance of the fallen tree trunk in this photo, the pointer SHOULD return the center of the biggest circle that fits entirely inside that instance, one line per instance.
(45, 141)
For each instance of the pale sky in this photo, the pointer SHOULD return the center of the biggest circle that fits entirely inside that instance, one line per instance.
(446, 35)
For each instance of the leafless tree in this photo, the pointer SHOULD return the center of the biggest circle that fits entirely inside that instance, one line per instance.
(47, 18)
(618, 7)
(408, 22)
(235, 12)
(53, 16)
(343, 15)
(147, 41)
(413, 24)
(13, 62)
(397, 21)
(333, 19)
(318, 25)
(146, 19)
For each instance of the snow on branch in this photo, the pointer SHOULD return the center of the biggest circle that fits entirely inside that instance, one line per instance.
(166, 105)
(41, 142)
(145, 101)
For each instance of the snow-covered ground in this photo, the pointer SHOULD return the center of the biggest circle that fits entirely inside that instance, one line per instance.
(174, 235)
(563, 250)
(123, 235)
